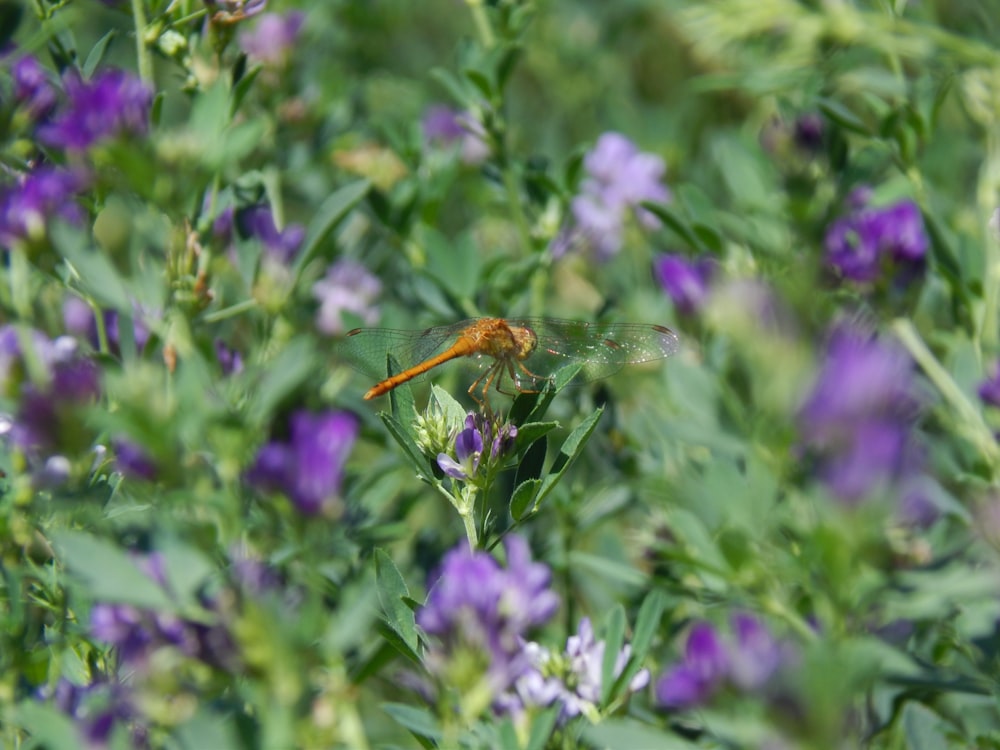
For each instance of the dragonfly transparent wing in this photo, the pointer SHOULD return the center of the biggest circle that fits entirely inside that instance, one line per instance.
(366, 349)
(601, 348)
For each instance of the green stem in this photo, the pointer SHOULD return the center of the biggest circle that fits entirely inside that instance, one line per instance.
(230, 312)
(516, 209)
(143, 57)
(970, 419)
(20, 289)
(482, 22)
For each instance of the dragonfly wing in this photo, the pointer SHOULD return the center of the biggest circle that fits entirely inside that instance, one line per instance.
(601, 349)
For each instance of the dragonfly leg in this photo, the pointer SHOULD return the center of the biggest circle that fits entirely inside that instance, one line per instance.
(530, 374)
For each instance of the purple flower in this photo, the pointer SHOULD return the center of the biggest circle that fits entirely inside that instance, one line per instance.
(32, 88)
(445, 127)
(755, 655)
(700, 673)
(347, 287)
(111, 104)
(619, 178)
(96, 710)
(273, 37)
(133, 461)
(40, 196)
(685, 282)
(859, 415)
(748, 660)
(573, 678)
(309, 467)
(229, 359)
(479, 605)
(808, 132)
(280, 244)
(861, 245)
(479, 432)
(989, 389)
(47, 416)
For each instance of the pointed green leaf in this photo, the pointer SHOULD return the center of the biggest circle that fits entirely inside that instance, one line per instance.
(568, 452)
(522, 501)
(48, 727)
(614, 639)
(97, 53)
(108, 572)
(419, 721)
(528, 433)
(391, 590)
(542, 727)
(400, 434)
(330, 214)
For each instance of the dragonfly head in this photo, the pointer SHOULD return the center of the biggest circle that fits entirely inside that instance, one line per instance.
(525, 341)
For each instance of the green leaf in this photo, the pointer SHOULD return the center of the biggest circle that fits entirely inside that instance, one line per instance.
(532, 462)
(521, 502)
(280, 376)
(93, 271)
(417, 720)
(109, 574)
(617, 573)
(186, 568)
(208, 730)
(97, 53)
(568, 453)
(391, 590)
(330, 214)
(628, 734)
(614, 639)
(453, 410)
(402, 436)
(528, 433)
(679, 225)
(48, 727)
(925, 729)
(646, 623)
(844, 117)
(542, 727)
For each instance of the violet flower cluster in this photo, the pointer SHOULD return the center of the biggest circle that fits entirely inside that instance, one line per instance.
(445, 127)
(573, 679)
(348, 287)
(871, 243)
(747, 661)
(35, 199)
(480, 611)
(619, 179)
(309, 467)
(479, 433)
(858, 419)
(50, 390)
(137, 632)
(273, 37)
(257, 221)
(97, 710)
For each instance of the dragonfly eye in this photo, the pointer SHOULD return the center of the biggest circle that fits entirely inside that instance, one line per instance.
(525, 340)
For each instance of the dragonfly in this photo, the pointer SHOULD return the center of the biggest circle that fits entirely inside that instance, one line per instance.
(528, 351)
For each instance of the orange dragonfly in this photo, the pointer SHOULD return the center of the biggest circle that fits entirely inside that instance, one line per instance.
(527, 350)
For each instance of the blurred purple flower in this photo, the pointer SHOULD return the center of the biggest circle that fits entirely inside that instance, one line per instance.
(808, 131)
(619, 178)
(347, 287)
(701, 672)
(859, 415)
(111, 104)
(748, 660)
(132, 460)
(863, 244)
(229, 359)
(273, 37)
(685, 281)
(573, 678)
(32, 88)
(43, 195)
(445, 127)
(476, 603)
(989, 389)
(309, 467)
(258, 221)
(78, 317)
(47, 416)
(96, 710)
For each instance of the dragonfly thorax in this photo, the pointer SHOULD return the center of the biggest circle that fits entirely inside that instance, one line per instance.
(525, 341)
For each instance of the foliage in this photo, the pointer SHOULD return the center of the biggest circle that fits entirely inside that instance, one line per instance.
(784, 535)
